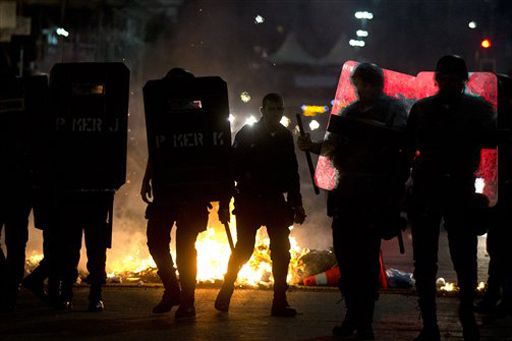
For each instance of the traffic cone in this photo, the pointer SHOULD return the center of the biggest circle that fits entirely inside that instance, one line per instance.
(383, 278)
(330, 277)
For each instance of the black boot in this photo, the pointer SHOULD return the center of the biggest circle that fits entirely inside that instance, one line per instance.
(430, 330)
(185, 311)
(60, 295)
(170, 298)
(35, 284)
(96, 304)
(365, 307)
(280, 306)
(347, 327)
(429, 333)
(224, 297)
(470, 330)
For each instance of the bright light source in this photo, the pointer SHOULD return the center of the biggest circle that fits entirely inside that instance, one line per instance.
(363, 15)
(245, 97)
(259, 19)
(356, 43)
(313, 110)
(472, 25)
(62, 32)
(251, 120)
(231, 118)
(285, 121)
(486, 43)
(314, 125)
(479, 185)
(362, 33)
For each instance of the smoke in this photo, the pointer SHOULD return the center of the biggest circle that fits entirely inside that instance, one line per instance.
(227, 52)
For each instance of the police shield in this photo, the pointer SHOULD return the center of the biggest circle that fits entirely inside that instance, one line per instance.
(189, 136)
(89, 103)
(505, 145)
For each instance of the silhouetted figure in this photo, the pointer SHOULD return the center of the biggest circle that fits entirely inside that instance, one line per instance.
(21, 105)
(265, 168)
(88, 164)
(183, 201)
(364, 145)
(15, 201)
(445, 135)
(497, 299)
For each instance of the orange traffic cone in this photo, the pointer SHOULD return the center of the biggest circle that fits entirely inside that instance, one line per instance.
(332, 276)
(383, 278)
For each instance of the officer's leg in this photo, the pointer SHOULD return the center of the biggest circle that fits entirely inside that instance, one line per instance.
(367, 273)
(495, 275)
(16, 236)
(158, 240)
(280, 253)
(35, 280)
(70, 229)
(191, 222)
(346, 262)
(357, 252)
(425, 237)
(246, 228)
(463, 250)
(96, 245)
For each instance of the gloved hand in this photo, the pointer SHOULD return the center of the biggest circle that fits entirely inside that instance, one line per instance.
(299, 215)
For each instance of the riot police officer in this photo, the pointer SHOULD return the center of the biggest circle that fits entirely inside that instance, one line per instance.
(445, 135)
(15, 177)
(88, 164)
(174, 200)
(364, 144)
(265, 168)
(22, 104)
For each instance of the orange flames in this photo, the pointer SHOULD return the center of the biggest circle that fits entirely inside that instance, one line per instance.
(136, 266)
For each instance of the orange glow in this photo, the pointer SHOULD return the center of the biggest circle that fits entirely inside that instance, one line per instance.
(486, 43)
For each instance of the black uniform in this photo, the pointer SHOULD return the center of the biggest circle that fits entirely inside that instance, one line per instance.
(366, 152)
(445, 136)
(265, 168)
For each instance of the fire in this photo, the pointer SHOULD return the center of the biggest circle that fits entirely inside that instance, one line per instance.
(33, 260)
(213, 253)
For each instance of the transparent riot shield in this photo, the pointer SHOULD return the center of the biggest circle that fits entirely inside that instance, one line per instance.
(409, 89)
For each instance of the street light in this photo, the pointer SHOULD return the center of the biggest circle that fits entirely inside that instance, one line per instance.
(363, 15)
(356, 43)
(362, 33)
(62, 32)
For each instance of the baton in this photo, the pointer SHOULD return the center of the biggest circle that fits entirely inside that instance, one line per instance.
(230, 238)
(401, 242)
(308, 156)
